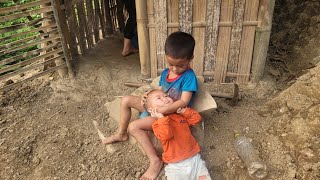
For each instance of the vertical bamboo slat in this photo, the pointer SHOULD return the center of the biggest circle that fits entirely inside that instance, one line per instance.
(144, 52)
(213, 17)
(262, 38)
(120, 16)
(185, 15)
(95, 22)
(236, 35)
(83, 26)
(89, 22)
(199, 33)
(152, 38)
(173, 16)
(161, 30)
(223, 41)
(246, 49)
(72, 28)
(109, 26)
(58, 16)
(100, 18)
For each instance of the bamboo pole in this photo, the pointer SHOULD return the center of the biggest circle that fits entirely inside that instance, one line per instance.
(143, 38)
(64, 44)
(262, 38)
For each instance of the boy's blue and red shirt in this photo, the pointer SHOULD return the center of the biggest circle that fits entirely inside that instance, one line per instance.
(174, 87)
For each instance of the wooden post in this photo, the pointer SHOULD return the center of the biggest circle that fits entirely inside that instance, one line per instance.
(109, 27)
(66, 52)
(143, 37)
(120, 16)
(262, 38)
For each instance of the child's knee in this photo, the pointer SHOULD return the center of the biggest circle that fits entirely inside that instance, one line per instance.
(133, 128)
(125, 100)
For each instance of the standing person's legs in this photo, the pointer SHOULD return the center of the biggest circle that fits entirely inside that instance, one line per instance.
(127, 102)
(138, 130)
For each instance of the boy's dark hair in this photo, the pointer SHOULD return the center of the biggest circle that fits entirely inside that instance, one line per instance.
(180, 45)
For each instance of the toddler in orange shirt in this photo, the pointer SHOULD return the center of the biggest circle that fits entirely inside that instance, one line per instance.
(180, 149)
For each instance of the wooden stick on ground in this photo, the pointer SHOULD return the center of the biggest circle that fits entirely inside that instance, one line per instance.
(101, 135)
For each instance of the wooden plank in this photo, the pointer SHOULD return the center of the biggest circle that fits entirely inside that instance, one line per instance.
(27, 68)
(199, 35)
(82, 27)
(161, 30)
(11, 9)
(246, 49)
(89, 23)
(109, 25)
(236, 36)
(205, 24)
(35, 23)
(223, 41)
(5, 88)
(29, 61)
(29, 53)
(5, 51)
(28, 32)
(185, 15)
(27, 39)
(213, 17)
(24, 14)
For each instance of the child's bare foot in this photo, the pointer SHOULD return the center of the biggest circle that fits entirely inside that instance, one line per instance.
(115, 138)
(153, 171)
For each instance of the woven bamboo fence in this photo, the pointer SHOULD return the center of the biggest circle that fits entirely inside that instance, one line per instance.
(65, 30)
(225, 31)
(41, 36)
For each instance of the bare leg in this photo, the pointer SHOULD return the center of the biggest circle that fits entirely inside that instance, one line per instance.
(138, 130)
(127, 102)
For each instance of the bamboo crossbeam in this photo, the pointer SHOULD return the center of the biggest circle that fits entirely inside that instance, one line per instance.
(28, 32)
(22, 7)
(29, 44)
(27, 68)
(29, 61)
(36, 22)
(5, 88)
(24, 14)
(29, 53)
(204, 24)
(25, 40)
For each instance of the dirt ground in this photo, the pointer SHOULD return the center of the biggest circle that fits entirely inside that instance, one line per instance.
(46, 129)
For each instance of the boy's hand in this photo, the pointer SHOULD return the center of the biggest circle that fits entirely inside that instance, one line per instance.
(154, 113)
(181, 110)
(144, 98)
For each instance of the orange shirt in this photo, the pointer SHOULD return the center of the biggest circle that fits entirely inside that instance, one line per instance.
(175, 135)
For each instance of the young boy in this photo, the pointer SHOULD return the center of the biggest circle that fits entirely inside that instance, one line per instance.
(180, 149)
(179, 81)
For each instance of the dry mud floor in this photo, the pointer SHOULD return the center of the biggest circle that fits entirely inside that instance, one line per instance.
(46, 129)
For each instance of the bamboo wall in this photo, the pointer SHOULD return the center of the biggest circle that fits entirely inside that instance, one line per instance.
(224, 31)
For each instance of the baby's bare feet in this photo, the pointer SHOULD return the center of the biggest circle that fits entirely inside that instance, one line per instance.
(115, 138)
(153, 171)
